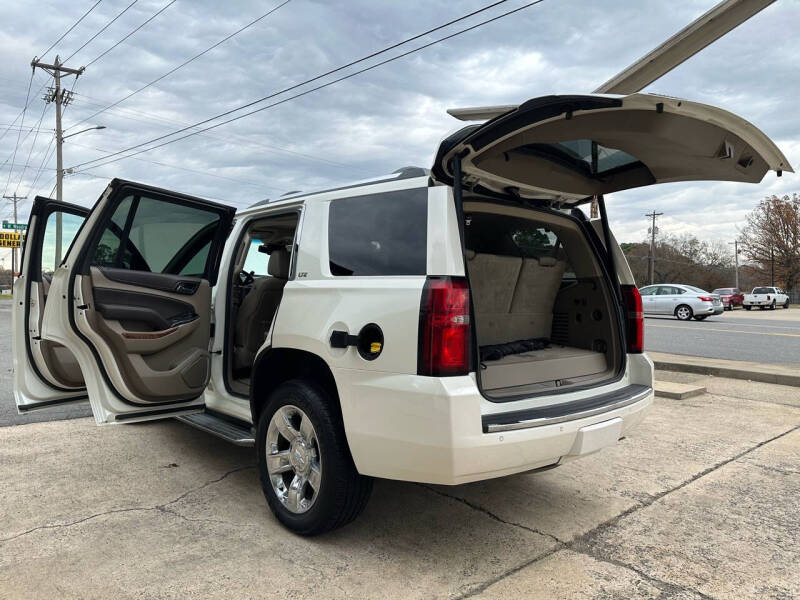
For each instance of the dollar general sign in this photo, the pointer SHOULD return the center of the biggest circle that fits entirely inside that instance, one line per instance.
(11, 239)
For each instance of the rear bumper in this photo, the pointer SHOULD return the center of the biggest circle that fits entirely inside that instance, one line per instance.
(437, 430)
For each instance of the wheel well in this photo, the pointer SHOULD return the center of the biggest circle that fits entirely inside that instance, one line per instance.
(277, 365)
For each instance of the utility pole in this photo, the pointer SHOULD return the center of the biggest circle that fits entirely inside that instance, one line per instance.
(772, 265)
(736, 259)
(61, 97)
(14, 198)
(652, 259)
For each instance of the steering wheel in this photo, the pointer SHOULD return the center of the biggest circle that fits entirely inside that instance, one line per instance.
(247, 278)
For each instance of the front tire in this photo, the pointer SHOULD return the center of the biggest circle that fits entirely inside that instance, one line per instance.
(307, 473)
(700, 317)
(684, 312)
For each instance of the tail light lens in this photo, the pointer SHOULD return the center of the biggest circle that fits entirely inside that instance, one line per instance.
(705, 298)
(634, 319)
(444, 329)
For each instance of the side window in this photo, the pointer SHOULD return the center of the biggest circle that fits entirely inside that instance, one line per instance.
(257, 260)
(379, 234)
(69, 228)
(147, 234)
(648, 291)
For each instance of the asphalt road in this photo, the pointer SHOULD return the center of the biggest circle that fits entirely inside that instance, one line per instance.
(8, 409)
(756, 336)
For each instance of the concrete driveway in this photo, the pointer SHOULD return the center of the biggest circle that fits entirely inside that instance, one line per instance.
(702, 500)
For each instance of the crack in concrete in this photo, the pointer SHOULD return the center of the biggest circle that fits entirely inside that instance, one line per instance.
(159, 507)
(773, 469)
(581, 543)
(490, 514)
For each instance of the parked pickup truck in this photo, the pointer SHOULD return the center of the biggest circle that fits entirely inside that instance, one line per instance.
(764, 297)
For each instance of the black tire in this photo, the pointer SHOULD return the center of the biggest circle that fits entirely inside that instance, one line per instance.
(772, 306)
(786, 304)
(343, 492)
(747, 307)
(761, 307)
(700, 317)
(684, 315)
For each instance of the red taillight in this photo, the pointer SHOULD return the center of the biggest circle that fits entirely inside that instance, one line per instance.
(767, 296)
(634, 319)
(705, 298)
(444, 333)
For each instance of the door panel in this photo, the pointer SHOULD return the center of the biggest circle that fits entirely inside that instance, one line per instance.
(134, 302)
(45, 373)
(157, 341)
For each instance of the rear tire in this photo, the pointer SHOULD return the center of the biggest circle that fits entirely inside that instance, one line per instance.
(786, 304)
(772, 306)
(300, 424)
(684, 312)
(747, 307)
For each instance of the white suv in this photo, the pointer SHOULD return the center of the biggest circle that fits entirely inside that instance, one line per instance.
(442, 327)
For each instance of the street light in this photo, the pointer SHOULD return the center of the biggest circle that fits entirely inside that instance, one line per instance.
(60, 182)
(83, 131)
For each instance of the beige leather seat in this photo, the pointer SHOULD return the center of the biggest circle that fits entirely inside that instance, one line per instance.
(535, 295)
(258, 309)
(493, 279)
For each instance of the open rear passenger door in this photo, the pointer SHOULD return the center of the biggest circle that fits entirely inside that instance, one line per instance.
(132, 301)
(45, 373)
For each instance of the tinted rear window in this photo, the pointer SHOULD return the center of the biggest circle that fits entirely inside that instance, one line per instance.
(379, 234)
(763, 291)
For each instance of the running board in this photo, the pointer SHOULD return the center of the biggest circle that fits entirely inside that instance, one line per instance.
(239, 434)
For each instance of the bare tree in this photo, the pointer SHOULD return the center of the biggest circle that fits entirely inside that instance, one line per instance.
(771, 239)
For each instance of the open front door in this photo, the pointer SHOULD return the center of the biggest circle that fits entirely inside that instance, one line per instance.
(571, 148)
(132, 301)
(45, 373)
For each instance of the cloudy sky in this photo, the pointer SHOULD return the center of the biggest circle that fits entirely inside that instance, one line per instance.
(375, 122)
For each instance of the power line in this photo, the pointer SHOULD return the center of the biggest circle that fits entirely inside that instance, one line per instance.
(106, 26)
(186, 62)
(30, 152)
(19, 133)
(231, 138)
(314, 89)
(131, 33)
(48, 154)
(181, 168)
(42, 55)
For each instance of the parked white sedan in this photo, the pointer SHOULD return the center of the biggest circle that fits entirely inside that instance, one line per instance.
(682, 301)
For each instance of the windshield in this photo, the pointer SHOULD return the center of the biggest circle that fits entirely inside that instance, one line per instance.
(722, 291)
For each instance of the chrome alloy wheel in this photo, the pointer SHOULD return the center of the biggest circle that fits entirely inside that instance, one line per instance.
(293, 460)
(684, 313)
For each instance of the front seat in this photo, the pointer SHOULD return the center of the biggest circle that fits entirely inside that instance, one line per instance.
(258, 309)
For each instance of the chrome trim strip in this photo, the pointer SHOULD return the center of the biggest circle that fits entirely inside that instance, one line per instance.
(527, 424)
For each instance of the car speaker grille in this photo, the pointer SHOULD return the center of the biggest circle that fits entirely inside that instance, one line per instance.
(560, 333)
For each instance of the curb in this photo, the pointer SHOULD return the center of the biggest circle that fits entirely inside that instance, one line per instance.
(780, 375)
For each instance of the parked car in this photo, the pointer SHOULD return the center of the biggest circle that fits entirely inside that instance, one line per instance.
(440, 326)
(683, 301)
(764, 297)
(730, 297)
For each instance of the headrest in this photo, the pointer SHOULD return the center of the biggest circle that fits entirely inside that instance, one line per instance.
(279, 263)
(547, 261)
(470, 254)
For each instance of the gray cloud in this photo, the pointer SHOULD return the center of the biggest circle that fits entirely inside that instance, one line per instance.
(386, 118)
